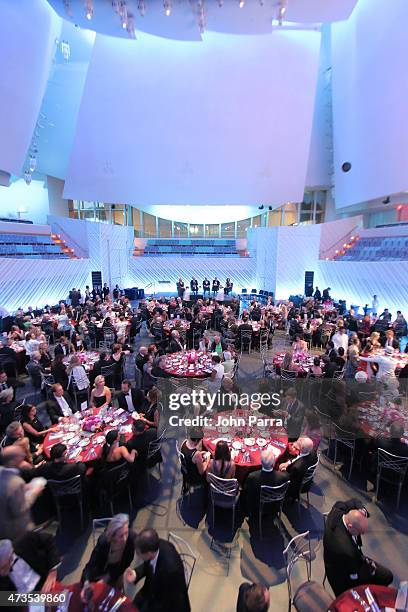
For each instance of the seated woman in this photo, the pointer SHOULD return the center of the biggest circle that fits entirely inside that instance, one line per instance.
(299, 346)
(15, 436)
(287, 364)
(151, 413)
(33, 428)
(311, 428)
(196, 459)
(315, 370)
(101, 395)
(222, 465)
(113, 453)
(112, 554)
(148, 380)
(45, 359)
(375, 340)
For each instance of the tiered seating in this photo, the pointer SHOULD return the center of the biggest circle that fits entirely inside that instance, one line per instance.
(190, 247)
(31, 246)
(378, 248)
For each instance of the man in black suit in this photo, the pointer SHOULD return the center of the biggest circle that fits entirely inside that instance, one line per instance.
(265, 476)
(30, 564)
(346, 565)
(60, 404)
(389, 340)
(206, 286)
(394, 443)
(57, 468)
(317, 294)
(294, 413)
(141, 358)
(130, 399)
(176, 344)
(158, 370)
(180, 288)
(194, 286)
(165, 585)
(62, 347)
(253, 598)
(215, 286)
(298, 466)
(140, 440)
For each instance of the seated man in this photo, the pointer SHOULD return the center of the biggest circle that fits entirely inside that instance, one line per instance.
(30, 564)
(165, 584)
(346, 565)
(298, 466)
(218, 345)
(59, 405)
(253, 598)
(268, 476)
(58, 468)
(394, 444)
(176, 344)
(130, 399)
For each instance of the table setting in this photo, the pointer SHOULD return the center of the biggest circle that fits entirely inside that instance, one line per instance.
(84, 433)
(188, 364)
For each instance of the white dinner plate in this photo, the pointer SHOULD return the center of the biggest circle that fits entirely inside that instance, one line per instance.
(84, 442)
(261, 442)
(249, 441)
(237, 445)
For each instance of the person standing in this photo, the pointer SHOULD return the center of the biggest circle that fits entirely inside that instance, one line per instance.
(165, 584)
(194, 286)
(206, 286)
(180, 288)
(375, 305)
(105, 291)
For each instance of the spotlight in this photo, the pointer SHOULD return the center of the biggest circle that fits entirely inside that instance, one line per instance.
(32, 163)
(89, 9)
(65, 50)
(167, 7)
(241, 3)
(123, 14)
(141, 7)
(220, 3)
(386, 200)
(283, 5)
(27, 176)
(130, 25)
(270, 208)
(261, 207)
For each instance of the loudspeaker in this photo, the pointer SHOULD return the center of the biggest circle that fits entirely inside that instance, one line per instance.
(309, 277)
(96, 279)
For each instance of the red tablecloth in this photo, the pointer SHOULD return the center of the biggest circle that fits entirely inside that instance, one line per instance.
(178, 364)
(248, 457)
(384, 596)
(87, 358)
(115, 419)
(375, 420)
(101, 590)
(303, 363)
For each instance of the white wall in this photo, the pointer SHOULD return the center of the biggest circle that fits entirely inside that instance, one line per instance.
(370, 89)
(58, 205)
(31, 200)
(28, 29)
(230, 125)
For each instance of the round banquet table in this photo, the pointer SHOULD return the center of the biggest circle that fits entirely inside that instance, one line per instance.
(256, 326)
(85, 445)
(178, 364)
(303, 362)
(101, 591)
(248, 457)
(375, 420)
(88, 358)
(384, 596)
(178, 324)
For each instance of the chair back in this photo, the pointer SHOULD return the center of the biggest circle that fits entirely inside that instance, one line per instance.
(154, 448)
(186, 554)
(223, 491)
(61, 488)
(115, 477)
(3, 441)
(108, 336)
(309, 474)
(107, 371)
(396, 463)
(246, 335)
(18, 410)
(271, 495)
(182, 460)
(365, 396)
(288, 374)
(348, 438)
(297, 550)
(338, 375)
(98, 527)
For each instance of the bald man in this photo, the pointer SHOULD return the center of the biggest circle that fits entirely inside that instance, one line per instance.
(346, 565)
(298, 466)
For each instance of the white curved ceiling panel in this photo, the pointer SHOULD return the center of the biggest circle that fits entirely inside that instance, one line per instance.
(225, 122)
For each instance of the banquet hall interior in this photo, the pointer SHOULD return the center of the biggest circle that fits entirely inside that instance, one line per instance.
(203, 302)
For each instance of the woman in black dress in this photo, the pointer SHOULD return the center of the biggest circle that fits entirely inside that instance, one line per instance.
(101, 394)
(151, 412)
(33, 428)
(59, 371)
(116, 361)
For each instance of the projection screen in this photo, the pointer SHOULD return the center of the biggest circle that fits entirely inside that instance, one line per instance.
(224, 121)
